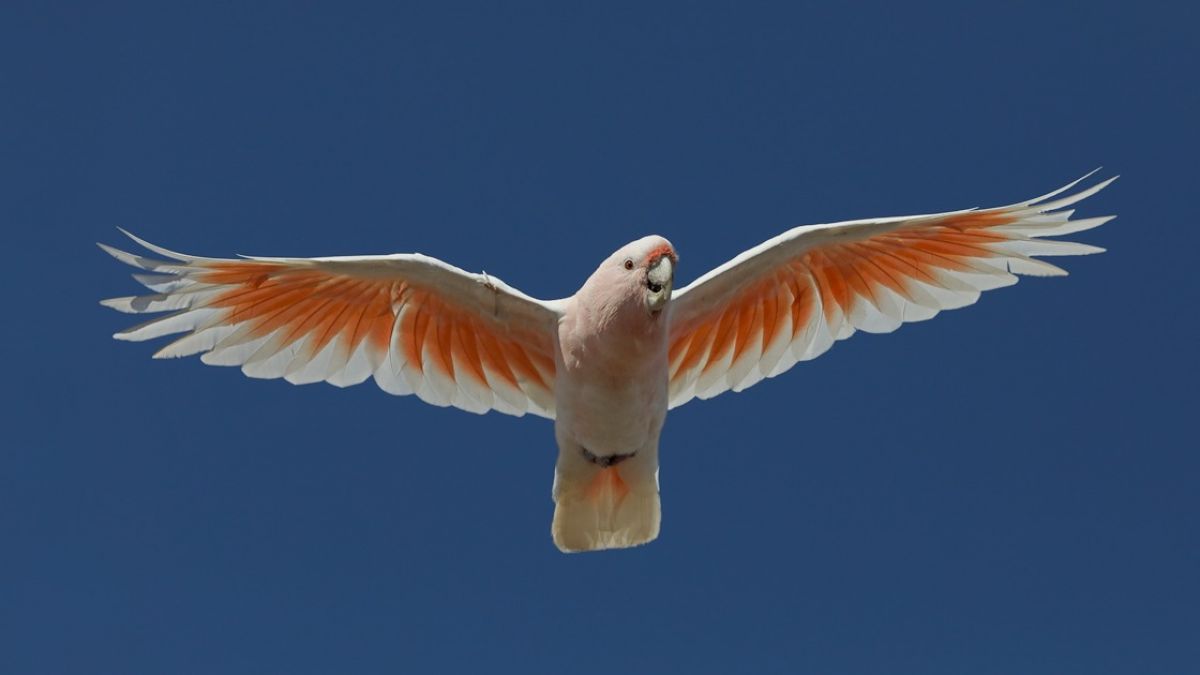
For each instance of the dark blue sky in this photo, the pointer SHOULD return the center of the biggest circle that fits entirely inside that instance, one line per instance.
(1009, 488)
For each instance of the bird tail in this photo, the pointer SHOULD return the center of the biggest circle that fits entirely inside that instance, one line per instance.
(605, 507)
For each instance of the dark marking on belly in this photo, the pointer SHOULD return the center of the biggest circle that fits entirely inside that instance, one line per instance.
(605, 461)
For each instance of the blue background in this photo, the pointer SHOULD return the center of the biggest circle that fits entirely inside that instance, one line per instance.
(1010, 488)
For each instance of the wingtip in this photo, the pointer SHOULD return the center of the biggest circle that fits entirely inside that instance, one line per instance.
(1043, 206)
(1039, 201)
(139, 261)
(173, 255)
(1088, 175)
(122, 256)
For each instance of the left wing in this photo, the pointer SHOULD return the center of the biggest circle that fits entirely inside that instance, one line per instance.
(790, 298)
(418, 325)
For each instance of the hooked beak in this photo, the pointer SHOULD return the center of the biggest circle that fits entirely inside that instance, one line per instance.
(658, 281)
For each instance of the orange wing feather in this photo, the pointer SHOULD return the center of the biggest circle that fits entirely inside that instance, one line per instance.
(303, 321)
(864, 275)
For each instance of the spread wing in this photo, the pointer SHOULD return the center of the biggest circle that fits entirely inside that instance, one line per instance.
(417, 324)
(790, 298)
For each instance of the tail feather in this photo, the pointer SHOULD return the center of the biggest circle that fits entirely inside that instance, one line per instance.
(603, 509)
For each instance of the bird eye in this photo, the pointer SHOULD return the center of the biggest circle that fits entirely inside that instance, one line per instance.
(628, 263)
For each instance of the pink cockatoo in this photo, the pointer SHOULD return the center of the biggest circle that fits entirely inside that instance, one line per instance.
(607, 363)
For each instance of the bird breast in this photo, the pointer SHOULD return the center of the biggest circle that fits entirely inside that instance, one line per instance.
(611, 387)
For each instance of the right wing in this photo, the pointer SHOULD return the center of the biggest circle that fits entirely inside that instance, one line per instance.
(415, 323)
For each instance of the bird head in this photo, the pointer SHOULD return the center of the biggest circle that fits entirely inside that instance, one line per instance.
(638, 276)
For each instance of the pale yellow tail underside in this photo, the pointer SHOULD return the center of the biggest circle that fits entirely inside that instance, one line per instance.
(603, 510)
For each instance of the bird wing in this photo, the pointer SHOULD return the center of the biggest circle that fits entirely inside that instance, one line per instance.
(790, 298)
(418, 325)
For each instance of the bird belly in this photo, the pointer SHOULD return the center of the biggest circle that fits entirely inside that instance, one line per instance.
(614, 420)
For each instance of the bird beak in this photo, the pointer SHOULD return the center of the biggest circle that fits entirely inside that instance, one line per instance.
(660, 275)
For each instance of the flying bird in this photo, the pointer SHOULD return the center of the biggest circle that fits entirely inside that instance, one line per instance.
(607, 363)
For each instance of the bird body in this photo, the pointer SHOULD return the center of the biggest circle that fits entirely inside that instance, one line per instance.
(607, 363)
(611, 398)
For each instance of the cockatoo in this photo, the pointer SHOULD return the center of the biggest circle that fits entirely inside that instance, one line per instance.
(607, 363)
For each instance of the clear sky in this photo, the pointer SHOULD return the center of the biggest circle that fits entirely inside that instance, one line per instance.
(1009, 488)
